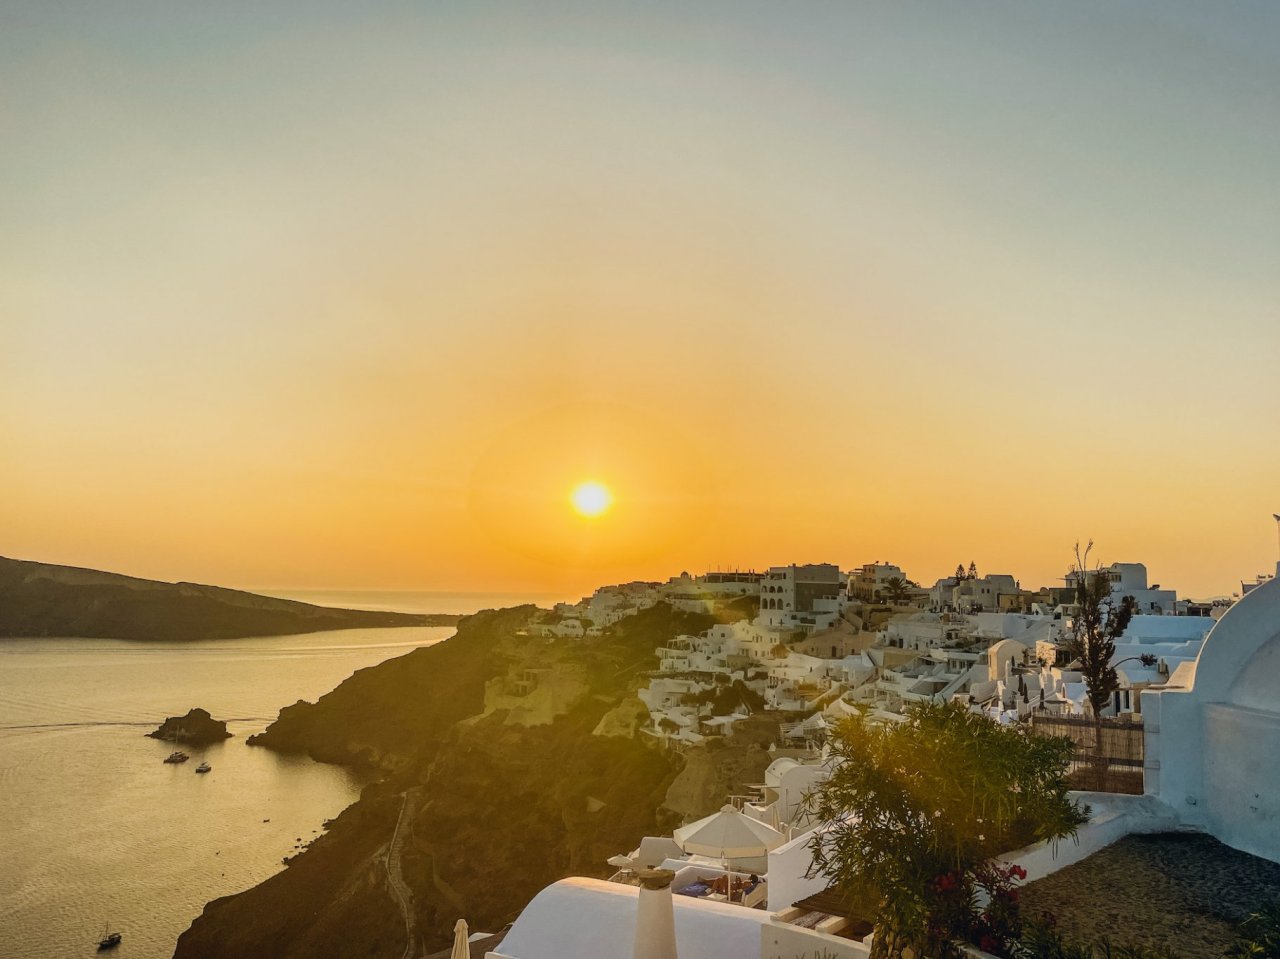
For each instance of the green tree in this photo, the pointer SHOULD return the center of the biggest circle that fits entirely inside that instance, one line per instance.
(1097, 624)
(960, 575)
(973, 570)
(916, 812)
(896, 589)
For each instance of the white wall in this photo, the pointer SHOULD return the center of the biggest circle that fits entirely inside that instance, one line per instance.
(594, 919)
(778, 940)
(787, 867)
(1213, 748)
(1112, 817)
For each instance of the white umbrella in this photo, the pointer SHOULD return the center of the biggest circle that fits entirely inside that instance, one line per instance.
(621, 862)
(461, 948)
(728, 834)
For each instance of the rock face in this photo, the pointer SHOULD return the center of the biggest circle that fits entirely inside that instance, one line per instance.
(711, 772)
(498, 810)
(196, 728)
(387, 715)
(623, 720)
(39, 599)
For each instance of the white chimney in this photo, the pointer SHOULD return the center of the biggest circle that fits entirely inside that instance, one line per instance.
(655, 916)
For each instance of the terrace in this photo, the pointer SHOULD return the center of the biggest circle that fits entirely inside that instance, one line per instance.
(1185, 890)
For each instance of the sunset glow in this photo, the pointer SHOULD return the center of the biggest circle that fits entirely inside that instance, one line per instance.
(326, 306)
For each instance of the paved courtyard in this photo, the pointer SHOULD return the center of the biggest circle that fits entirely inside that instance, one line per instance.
(1183, 890)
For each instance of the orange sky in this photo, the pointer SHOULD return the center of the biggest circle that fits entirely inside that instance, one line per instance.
(353, 300)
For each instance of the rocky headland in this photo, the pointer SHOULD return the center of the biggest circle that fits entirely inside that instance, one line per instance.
(196, 728)
(41, 599)
(493, 802)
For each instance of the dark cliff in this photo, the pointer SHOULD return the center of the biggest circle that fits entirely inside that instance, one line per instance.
(40, 599)
(389, 714)
(492, 812)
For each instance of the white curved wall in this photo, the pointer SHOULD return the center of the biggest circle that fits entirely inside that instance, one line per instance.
(1213, 748)
(1242, 778)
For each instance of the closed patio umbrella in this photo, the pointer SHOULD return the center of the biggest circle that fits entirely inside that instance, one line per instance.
(461, 948)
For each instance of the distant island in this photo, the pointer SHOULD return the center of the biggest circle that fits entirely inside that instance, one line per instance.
(41, 599)
(196, 728)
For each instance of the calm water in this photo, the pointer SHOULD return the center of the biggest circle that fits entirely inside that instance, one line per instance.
(95, 828)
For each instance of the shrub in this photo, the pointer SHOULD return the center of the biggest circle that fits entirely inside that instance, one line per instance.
(916, 812)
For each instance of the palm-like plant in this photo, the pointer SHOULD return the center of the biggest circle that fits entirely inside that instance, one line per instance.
(896, 589)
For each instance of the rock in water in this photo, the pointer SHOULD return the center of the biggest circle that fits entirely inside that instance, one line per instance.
(196, 727)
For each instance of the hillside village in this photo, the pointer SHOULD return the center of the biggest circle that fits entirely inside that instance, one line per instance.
(597, 740)
(818, 643)
(821, 644)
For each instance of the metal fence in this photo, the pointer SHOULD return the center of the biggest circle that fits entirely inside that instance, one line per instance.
(1109, 751)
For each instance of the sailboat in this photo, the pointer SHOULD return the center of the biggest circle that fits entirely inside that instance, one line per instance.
(177, 756)
(109, 940)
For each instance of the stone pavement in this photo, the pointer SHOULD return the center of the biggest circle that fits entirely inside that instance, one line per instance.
(1187, 891)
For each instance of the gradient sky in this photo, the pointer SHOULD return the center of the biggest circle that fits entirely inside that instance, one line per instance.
(350, 295)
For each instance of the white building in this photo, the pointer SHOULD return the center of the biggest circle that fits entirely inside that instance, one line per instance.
(787, 784)
(983, 593)
(1130, 579)
(866, 583)
(807, 598)
(730, 584)
(1213, 734)
(924, 631)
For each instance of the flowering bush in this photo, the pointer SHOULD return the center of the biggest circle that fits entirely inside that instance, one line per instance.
(916, 812)
(956, 916)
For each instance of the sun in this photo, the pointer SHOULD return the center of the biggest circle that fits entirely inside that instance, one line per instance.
(591, 498)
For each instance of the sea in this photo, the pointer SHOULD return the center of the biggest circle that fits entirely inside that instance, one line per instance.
(97, 831)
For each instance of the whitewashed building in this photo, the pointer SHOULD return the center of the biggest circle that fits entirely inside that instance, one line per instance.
(804, 598)
(1213, 733)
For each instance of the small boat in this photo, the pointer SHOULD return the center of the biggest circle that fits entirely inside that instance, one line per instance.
(203, 768)
(177, 757)
(109, 940)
